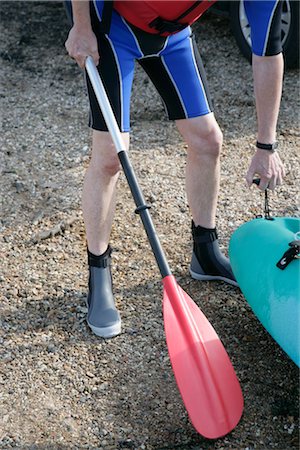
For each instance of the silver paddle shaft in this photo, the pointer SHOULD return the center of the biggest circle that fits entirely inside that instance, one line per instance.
(105, 106)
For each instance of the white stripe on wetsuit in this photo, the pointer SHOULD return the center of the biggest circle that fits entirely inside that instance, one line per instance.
(134, 37)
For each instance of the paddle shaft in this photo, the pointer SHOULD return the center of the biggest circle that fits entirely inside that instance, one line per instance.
(141, 207)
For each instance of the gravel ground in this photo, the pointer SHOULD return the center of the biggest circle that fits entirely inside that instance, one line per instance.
(61, 386)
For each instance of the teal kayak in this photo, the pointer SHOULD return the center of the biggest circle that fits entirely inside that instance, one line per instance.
(269, 278)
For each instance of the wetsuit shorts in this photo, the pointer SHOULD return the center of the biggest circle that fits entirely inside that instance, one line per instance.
(172, 63)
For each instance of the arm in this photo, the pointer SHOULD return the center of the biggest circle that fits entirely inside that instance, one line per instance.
(268, 75)
(267, 62)
(82, 41)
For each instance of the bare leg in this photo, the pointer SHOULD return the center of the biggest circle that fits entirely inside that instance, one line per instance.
(99, 191)
(98, 204)
(204, 139)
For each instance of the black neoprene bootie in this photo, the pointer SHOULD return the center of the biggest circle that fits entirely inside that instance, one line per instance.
(208, 263)
(103, 318)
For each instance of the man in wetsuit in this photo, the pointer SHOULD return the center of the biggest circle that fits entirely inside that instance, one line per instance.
(174, 66)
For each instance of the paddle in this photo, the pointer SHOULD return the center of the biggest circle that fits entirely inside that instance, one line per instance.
(204, 374)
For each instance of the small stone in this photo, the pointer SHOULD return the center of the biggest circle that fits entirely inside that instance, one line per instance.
(90, 375)
(20, 186)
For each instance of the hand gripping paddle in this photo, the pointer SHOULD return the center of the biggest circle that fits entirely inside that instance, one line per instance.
(203, 371)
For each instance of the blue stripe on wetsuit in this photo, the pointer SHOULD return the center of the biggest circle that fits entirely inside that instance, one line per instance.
(186, 77)
(126, 51)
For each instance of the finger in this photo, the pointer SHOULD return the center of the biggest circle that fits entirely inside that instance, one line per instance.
(280, 175)
(280, 178)
(77, 57)
(80, 59)
(264, 183)
(249, 176)
(283, 172)
(81, 62)
(96, 58)
(272, 183)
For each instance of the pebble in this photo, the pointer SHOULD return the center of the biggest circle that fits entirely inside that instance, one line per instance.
(20, 186)
(90, 374)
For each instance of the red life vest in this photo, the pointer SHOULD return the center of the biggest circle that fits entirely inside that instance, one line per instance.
(161, 17)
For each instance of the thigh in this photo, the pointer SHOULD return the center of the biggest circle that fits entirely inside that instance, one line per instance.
(264, 17)
(118, 51)
(179, 76)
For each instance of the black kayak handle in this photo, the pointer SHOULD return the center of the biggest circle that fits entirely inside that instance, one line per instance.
(292, 253)
(256, 181)
(266, 206)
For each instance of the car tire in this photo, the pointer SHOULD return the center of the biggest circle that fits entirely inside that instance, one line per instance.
(290, 31)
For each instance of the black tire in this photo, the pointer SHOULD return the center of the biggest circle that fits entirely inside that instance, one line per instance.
(290, 31)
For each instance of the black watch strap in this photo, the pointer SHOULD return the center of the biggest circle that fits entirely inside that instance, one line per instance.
(268, 147)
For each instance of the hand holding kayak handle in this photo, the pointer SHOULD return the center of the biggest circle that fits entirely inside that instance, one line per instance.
(267, 166)
(262, 186)
(257, 181)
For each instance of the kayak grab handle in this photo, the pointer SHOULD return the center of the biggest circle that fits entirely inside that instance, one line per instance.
(292, 253)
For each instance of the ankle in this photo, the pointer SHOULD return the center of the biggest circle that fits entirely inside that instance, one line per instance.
(202, 235)
(102, 260)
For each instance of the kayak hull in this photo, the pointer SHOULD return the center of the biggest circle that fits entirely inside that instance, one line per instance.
(273, 294)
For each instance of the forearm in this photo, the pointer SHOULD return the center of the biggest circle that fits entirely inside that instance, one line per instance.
(81, 13)
(82, 41)
(268, 75)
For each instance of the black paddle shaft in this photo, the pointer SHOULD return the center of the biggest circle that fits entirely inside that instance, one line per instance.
(143, 210)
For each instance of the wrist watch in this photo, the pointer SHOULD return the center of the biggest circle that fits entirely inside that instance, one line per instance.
(269, 147)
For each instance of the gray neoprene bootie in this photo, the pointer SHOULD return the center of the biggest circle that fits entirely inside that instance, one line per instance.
(103, 318)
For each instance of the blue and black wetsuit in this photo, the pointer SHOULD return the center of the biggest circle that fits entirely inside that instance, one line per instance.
(173, 63)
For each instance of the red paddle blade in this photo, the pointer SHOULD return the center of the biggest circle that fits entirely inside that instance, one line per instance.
(204, 374)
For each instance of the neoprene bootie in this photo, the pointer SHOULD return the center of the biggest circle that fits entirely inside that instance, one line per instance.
(208, 263)
(103, 317)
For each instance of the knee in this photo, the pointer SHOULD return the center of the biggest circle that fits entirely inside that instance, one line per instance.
(206, 144)
(104, 160)
(105, 165)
